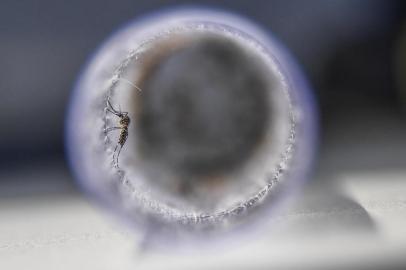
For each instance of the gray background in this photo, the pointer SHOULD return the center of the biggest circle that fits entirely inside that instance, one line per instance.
(347, 49)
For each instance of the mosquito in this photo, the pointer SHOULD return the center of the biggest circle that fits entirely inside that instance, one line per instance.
(123, 127)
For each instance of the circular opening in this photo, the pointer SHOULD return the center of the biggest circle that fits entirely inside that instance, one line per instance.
(211, 128)
(209, 119)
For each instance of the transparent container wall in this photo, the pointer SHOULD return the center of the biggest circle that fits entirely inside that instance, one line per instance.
(193, 123)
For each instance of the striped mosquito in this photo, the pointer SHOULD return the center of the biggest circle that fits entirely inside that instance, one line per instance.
(123, 124)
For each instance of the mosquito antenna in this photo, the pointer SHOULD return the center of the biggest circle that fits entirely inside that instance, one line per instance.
(130, 83)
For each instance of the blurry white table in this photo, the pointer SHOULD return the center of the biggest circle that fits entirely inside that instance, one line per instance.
(361, 224)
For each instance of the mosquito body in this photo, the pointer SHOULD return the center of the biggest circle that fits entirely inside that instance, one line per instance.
(123, 127)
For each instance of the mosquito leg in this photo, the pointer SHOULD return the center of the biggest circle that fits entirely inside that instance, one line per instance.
(118, 154)
(111, 109)
(113, 112)
(111, 128)
(115, 157)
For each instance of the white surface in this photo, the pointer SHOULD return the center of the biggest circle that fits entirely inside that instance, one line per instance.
(360, 224)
